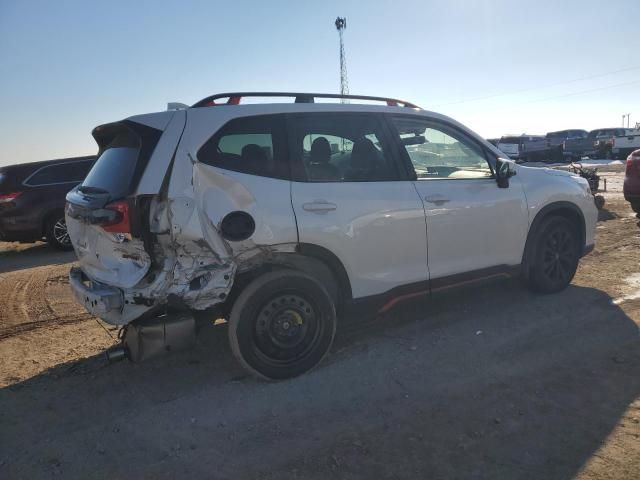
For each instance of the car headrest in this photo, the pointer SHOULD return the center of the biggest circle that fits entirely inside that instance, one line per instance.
(320, 151)
(364, 154)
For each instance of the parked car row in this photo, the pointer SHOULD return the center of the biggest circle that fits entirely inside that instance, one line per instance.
(32, 199)
(570, 145)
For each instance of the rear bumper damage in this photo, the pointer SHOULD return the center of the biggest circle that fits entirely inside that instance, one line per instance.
(103, 301)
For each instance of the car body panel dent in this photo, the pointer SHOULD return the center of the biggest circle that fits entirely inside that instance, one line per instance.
(108, 258)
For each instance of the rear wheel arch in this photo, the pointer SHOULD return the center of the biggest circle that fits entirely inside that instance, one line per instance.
(315, 261)
(567, 210)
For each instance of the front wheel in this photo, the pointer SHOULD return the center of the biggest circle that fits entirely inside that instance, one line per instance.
(57, 234)
(282, 325)
(554, 257)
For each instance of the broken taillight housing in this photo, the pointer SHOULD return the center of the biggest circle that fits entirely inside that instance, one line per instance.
(120, 222)
(9, 197)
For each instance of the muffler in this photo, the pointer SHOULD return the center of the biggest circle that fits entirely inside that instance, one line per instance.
(156, 336)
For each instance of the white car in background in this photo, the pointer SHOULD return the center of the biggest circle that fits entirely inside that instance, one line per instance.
(279, 216)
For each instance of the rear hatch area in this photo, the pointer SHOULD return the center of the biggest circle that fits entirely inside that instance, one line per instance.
(108, 221)
(101, 213)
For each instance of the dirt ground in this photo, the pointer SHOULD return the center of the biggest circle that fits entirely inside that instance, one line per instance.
(490, 382)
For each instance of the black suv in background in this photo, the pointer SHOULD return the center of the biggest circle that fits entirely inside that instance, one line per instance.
(32, 199)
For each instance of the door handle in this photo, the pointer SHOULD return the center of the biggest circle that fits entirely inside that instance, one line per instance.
(437, 199)
(319, 206)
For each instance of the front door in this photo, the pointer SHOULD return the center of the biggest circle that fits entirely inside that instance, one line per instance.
(472, 225)
(351, 197)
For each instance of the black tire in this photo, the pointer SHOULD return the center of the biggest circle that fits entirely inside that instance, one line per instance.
(282, 325)
(635, 206)
(554, 256)
(56, 232)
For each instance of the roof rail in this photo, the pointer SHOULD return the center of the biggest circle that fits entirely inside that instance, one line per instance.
(235, 97)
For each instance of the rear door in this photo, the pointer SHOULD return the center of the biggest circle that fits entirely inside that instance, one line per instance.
(472, 224)
(229, 192)
(352, 197)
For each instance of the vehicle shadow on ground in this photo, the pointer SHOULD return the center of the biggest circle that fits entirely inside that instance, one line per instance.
(32, 255)
(493, 382)
(604, 215)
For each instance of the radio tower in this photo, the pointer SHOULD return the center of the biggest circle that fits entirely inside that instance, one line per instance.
(341, 24)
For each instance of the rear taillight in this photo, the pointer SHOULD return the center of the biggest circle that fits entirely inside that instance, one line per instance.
(9, 197)
(120, 222)
(633, 164)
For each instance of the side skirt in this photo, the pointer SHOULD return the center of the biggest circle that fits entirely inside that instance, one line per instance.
(382, 303)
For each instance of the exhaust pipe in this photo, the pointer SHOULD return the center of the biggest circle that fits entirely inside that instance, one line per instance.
(115, 354)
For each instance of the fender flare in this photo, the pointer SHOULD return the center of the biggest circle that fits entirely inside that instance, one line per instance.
(562, 208)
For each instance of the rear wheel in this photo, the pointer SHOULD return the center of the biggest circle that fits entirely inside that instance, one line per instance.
(57, 234)
(282, 325)
(555, 255)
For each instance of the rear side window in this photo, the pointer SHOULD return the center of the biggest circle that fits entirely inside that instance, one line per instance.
(341, 147)
(72, 172)
(253, 145)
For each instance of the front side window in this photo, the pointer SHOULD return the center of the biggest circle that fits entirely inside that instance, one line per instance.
(438, 152)
(253, 145)
(341, 147)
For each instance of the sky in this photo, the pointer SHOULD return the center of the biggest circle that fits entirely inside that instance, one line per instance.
(498, 66)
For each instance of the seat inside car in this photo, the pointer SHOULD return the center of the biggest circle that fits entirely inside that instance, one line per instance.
(254, 157)
(319, 167)
(364, 163)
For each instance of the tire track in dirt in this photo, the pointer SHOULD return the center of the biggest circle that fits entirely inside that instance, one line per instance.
(28, 326)
(37, 298)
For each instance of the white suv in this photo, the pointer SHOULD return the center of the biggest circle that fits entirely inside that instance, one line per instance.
(278, 216)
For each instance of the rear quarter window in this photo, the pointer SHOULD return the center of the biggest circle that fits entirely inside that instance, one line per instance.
(252, 145)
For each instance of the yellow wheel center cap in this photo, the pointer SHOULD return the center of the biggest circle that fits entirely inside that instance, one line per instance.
(296, 317)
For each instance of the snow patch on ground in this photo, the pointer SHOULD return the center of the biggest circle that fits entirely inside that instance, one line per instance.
(632, 281)
(585, 163)
(589, 162)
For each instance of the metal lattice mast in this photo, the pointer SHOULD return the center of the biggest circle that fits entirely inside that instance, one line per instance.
(341, 24)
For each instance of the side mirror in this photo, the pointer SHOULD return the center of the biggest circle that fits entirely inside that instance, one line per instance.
(505, 169)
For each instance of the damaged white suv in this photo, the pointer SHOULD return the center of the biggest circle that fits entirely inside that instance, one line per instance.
(276, 216)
